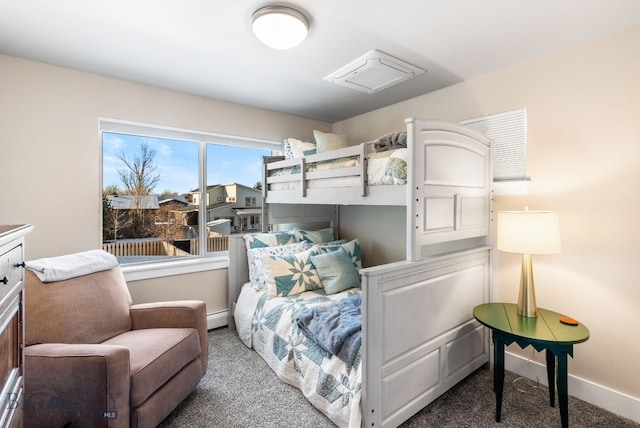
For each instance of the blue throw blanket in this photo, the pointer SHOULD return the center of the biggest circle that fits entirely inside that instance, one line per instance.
(335, 328)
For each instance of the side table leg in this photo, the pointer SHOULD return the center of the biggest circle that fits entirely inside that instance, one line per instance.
(563, 392)
(551, 375)
(498, 376)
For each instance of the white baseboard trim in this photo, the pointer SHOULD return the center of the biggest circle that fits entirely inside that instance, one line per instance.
(598, 395)
(217, 319)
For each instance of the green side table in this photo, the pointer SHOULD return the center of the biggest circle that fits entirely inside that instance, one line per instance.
(543, 332)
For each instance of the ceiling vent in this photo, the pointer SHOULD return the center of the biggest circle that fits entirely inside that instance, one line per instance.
(374, 72)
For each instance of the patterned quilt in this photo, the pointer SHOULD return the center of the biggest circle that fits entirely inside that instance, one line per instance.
(328, 383)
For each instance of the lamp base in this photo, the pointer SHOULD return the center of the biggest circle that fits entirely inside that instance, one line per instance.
(527, 294)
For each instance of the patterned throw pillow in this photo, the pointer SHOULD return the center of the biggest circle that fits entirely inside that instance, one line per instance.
(300, 149)
(286, 149)
(254, 259)
(313, 236)
(290, 274)
(352, 248)
(261, 240)
(336, 270)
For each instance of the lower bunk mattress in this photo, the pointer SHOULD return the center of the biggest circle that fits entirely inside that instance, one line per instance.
(331, 383)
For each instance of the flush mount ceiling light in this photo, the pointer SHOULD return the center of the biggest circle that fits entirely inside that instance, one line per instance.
(279, 27)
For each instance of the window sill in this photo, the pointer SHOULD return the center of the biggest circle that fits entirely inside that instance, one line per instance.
(149, 270)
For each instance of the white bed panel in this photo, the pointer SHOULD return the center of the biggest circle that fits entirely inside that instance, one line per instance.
(469, 168)
(440, 213)
(417, 321)
(411, 381)
(472, 212)
(465, 348)
(449, 183)
(375, 195)
(456, 354)
(427, 303)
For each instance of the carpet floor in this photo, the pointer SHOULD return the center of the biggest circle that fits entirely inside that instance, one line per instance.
(239, 390)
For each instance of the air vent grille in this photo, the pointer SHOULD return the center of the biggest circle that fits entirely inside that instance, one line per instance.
(374, 72)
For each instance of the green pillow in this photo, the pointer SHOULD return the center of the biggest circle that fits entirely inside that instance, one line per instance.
(336, 271)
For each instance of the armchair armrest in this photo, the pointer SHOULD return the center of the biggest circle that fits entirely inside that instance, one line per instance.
(174, 314)
(85, 384)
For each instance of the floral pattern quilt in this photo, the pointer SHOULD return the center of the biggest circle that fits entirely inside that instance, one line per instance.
(328, 383)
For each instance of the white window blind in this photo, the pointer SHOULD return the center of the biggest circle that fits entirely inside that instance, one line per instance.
(508, 130)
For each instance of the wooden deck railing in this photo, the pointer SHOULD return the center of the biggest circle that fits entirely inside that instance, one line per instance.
(163, 248)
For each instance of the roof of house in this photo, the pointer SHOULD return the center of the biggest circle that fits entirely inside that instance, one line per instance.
(129, 202)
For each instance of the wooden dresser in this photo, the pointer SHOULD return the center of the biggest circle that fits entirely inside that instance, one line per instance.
(11, 322)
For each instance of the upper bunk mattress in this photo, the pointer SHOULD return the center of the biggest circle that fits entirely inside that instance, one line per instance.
(383, 168)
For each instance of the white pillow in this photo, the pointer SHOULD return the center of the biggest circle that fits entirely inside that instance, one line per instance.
(326, 142)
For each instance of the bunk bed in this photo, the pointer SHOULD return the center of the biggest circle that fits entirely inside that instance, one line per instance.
(418, 335)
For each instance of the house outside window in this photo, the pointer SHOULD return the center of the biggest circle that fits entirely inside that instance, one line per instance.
(164, 189)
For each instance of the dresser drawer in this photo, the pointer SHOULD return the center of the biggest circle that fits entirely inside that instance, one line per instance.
(11, 272)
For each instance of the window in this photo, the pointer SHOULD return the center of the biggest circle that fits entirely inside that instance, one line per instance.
(508, 130)
(170, 194)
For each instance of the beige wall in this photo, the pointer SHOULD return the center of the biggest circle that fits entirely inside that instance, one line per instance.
(50, 151)
(583, 110)
(210, 287)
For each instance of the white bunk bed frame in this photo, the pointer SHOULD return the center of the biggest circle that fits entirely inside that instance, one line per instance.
(419, 337)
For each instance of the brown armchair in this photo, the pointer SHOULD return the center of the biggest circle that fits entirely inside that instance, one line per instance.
(92, 359)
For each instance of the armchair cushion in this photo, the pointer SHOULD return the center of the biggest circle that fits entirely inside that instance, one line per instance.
(176, 314)
(156, 355)
(85, 309)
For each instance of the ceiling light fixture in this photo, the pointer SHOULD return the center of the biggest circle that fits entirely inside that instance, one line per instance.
(279, 27)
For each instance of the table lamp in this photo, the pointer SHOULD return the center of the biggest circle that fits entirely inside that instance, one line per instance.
(527, 233)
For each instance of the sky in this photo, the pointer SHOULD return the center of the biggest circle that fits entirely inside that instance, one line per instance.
(177, 162)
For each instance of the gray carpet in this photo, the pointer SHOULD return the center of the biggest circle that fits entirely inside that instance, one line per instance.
(239, 390)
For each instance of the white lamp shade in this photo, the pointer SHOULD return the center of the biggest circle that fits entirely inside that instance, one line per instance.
(279, 27)
(529, 232)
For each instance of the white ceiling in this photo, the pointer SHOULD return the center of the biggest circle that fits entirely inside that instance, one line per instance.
(206, 47)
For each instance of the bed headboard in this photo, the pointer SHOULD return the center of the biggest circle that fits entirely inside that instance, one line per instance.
(287, 216)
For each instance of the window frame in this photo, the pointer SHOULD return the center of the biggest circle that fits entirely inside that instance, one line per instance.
(205, 260)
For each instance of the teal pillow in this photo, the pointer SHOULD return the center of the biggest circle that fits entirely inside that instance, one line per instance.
(336, 271)
(272, 239)
(313, 236)
(352, 248)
